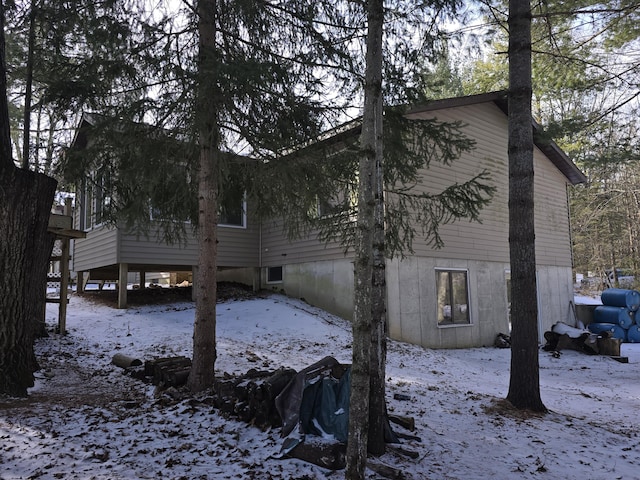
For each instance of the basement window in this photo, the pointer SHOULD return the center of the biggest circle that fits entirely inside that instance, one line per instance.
(274, 274)
(452, 298)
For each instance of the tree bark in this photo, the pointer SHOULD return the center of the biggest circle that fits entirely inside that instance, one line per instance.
(524, 383)
(25, 247)
(204, 333)
(378, 422)
(371, 157)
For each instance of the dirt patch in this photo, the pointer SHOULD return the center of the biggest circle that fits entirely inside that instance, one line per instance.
(71, 377)
(157, 296)
(504, 408)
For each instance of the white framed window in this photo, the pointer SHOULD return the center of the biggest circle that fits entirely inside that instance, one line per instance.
(334, 205)
(95, 201)
(102, 199)
(233, 213)
(452, 293)
(86, 210)
(274, 274)
(232, 205)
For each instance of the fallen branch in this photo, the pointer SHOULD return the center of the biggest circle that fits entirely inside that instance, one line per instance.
(385, 470)
(403, 451)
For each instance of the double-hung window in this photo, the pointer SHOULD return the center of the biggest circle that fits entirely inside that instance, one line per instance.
(452, 298)
(233, 209)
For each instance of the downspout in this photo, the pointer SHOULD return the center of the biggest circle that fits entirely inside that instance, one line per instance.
(567, 187)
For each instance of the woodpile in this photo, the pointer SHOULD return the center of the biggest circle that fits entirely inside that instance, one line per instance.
(251, 397)
(163, 372)
(168, 372)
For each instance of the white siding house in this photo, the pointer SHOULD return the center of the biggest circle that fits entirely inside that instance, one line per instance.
(475, 254)
(456, 296)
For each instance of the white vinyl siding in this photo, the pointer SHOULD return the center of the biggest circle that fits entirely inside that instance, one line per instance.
(98, 249)
(138, 249)
(239, 247)
(489, 240)
(107, 247)
(277, 249)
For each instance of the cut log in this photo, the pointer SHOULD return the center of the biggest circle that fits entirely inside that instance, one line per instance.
(251, 397)
(176, 377)
(124, 361)
(151, 366)
(324, 454)
(609, 346)
(274, 384)
(405, 422)
(168, 372)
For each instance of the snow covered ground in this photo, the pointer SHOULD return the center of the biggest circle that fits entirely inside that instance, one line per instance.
(84, 419)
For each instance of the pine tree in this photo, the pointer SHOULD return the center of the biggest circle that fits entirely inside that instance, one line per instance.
(25, 246)
(366, 359)
(201, 375)
(524, 383)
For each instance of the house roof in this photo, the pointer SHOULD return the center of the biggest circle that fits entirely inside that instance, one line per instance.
(558, 157)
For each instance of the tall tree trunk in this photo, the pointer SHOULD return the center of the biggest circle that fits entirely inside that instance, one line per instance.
(524, 382)
(28, 87)
(25, 246)
(378, 422)
(201, 376)
(6, 161)
(371, 155)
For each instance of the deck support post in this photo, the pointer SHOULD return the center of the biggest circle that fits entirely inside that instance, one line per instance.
(123, 274)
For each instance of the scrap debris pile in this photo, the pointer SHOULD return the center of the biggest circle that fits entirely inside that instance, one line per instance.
(613, 322)
(618, 315)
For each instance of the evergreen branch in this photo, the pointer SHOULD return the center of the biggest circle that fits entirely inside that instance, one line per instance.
(588, 11)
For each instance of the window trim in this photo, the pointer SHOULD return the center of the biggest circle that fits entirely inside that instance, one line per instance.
(94, 202)
(437, 306)
(273, 282)
(244, 217)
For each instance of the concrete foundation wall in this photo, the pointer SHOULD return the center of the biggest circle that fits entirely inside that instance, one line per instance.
(412, 303)
(411, 297)
(247, 276)
(326, 284)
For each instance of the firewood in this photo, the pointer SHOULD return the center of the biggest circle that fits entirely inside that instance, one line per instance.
(224, 388)
(176, 377)
(154, 367)
(273, 385)
(324, 454)
(163, 370)
(405, 422)
(227, 406)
